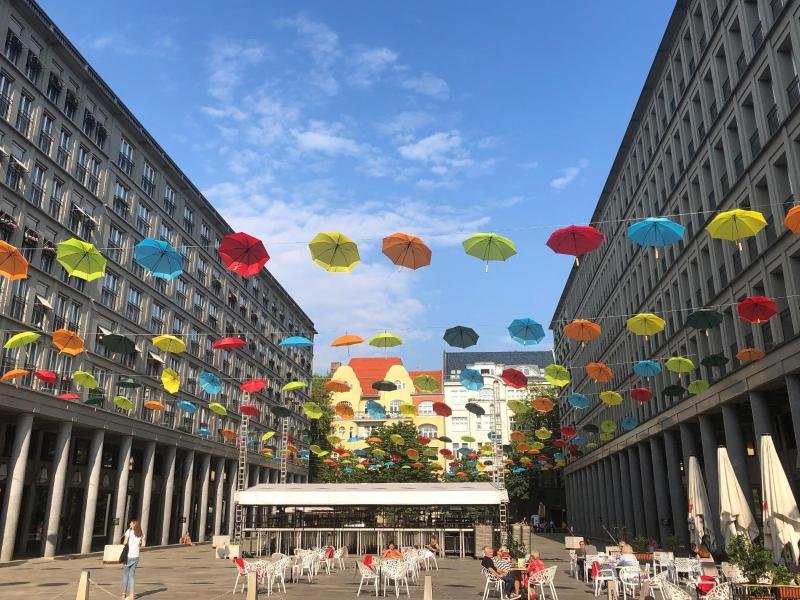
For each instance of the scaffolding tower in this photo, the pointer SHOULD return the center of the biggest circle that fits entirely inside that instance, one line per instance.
(498, 460)
(241, 479)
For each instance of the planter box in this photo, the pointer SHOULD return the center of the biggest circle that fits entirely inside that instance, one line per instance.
(644, 556)
(789, 591)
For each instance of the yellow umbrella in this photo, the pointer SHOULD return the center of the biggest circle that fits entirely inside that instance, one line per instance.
(645, 324)
(557, 375)
(543, 433)
(84, 379)
(123, 403)
(334, 251)
(608, 426)
(679, 364)
(171, 381)
(266, 436)
(293, 385)
(611, 398)
(408, 410)
(218, 409)
(80, 259)
(169, 343)
(606, 436)
(734, 225)
(396, 439)
(21, 339)
(698, 386)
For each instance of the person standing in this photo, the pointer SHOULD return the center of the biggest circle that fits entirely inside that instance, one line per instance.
(134, 539)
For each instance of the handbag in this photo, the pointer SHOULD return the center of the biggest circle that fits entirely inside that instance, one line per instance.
(123, 556)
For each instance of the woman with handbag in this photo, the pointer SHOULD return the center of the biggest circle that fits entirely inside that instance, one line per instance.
(133, 542)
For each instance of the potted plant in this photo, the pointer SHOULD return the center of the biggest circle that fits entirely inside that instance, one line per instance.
(516, 549)
(641, 548)
(786, 582)
(674, 543)
(754, 560)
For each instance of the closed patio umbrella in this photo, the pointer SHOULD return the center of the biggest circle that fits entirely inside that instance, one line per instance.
(734, 510)
(781, 516)
(699, 507)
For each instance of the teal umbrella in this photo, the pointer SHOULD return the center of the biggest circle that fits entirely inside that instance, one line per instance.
(655, 232)
(158, 258)
(461, 337)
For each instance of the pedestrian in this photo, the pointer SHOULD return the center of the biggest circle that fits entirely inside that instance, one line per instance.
(134, 540)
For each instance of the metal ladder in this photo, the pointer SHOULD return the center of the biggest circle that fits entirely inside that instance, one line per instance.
(241, 479)
(284, 447)
(498, 460)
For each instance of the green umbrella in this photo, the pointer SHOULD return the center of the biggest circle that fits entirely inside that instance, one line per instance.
(217, 408)
(608, 426)
(698, 386)
(95, 398)
(445, 439)
(84, 379)
(517, 406)
(674, 391)
(293, 385)
(461, 337)
(280, 411)
(704, 319)
(680, 364)
(475, 409)
(21, 339)
(489, 246)
(467, 438)
(385, 340)
(128, 383)
(557, 375)
(334, 251)
(426, 383)
(715, 360)
(312, 410)
(118, 344)
(123, 403)
(81, 259)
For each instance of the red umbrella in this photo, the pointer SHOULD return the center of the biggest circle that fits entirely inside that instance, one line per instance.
(641, 394)
(514, 378)
(253, 385)
(575, 240)
(68, 396)
(251, 410)
(243, 254)
(423, 439)
(47, 376)
(228, 343)
(757, 309)
(441, 409)
(559, 443)
(568, 431)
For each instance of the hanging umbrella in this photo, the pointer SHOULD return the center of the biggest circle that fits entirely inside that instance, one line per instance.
(406, 250)
(375, 410)
(128, 383)
(408, 410)
(68, 396)
(217, 408)
(700, 515)
(293, 385)
(228, 434)
(714, 360)
(169, 343)
(655, 232)
(337, 385)
(118, 344)
(243, 254)
(514, 378)
(80, 259)
(781, 517)
(750, 354)
(12, 374)
(568, 431)
(441, 409)
(158, 258)
(698, 386)
(210, 383)
(252, 386)
(228, 343)
(170, 380)
(629, 423)
(344, 410)
(792, 219)
(608, 426)
(21, 339)
(268, 435)
(679, 364)
(347, 340)
(385, 340)
(95, 398)
(471, 379)
(674, 391)
(543, 404)
(591, 428)
(735, 515)
(426, 383)
(611, 398)
(49, 377)
(647, 368)
(186, 406)
(312, 410)
(334, 252)
(296, 341)
(557, 375)
(735, 225)
(641, 394)
(577, 400)
(575, 240)
(489, 246)
(517, 436)
(460, 337)
(517, 406)
(67, 341)
(475, 409)
(704, 319)
(384, 386)
(13, 265)
(250, 410)
(84, 379)
(396, 439)
(645, 324)
(203, 431)
(123, 403)
(757, 309)
(526, 331)
(600, 372)
(582, 330)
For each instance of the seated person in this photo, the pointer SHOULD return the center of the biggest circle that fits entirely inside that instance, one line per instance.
(502, 562)
(510, 583)
(433, 546)
(186, 540)
(535, 564)
(627, 558)
(580, 554)
(391, 552)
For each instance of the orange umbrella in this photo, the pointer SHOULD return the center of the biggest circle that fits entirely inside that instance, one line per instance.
(12, 264)
(750, 354)
(344, 410)
(517, 436)
(600, 372)
(68, 342)
(406, 250)
(154, 405)
(543, 404)
(13, 374)
(582, 330)
(792, 219)
(337, 385)
(347, 340)
(228, 434)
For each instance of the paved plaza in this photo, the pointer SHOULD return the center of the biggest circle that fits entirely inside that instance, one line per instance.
(191, 572)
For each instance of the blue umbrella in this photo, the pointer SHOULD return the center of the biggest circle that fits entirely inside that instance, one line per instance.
(348, 470)
(353, 439)
(187, 406)
(203, 431)
(629, 423)
(577, 400)
(518, 470)
(655, 231)
(158, 258)
(578, 440)
(647, 368)
(558, 455)
(471, 379)
(375, 410)
(210, 383)
(464, 451)
(526, 331)
(296, 341)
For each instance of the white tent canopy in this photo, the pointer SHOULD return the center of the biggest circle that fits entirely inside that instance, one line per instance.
(781, 515)
(735, 515)
(373, 494)
(699, 508)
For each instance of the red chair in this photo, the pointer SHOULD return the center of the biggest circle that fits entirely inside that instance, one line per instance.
(241, 572)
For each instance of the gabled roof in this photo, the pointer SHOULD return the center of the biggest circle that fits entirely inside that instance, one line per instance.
(458, 361)
(437, 375)
(370, 370)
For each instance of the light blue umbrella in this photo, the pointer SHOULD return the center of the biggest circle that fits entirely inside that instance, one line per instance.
(629, 423)
(647, 368)
(471, 379)
(209, 383)
(655, 232)
(203, 431)
(518, 470)
(186, 406)
(296, 341)
(158, 258)
(578, 440)
(577, 400)
(464, 451)
(526, 331)
(353, 439)
(375, 410)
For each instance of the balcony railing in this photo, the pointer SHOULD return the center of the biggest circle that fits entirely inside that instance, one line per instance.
(37, 193)
(45, 142)
(793, 92)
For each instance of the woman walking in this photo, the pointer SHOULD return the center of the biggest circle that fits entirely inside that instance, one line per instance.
(134, 539)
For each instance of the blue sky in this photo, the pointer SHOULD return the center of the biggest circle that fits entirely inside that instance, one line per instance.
(438, 119)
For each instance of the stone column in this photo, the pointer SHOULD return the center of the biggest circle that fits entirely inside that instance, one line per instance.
(648, 493)
(231, 499)
(637, 492)
(60, 465)
(90, 507)
(734, 444)
(123, 465)
(793, 392)
(625, 487)
(169, 490)
(255, 479)
(662, 491)
(219, 479)
(601, 492)
(205, 473)
(709, 443)
(688, 445)
(762, 420)
(612, 510)
(677, 493)
(148, 463)
(188, 477)
(16, 482)
(586, 493)
(616, 484)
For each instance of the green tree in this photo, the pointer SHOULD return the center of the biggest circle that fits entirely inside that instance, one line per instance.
(320, 428)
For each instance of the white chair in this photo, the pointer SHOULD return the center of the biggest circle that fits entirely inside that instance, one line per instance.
(279, 572)
(427, 556)
(306, 564)
(673, 592)
(605, 575)
(685, 565)
(492, 582)
(339, 556)
(587, 565)
(367, 574)
(630, 579)
(544, 581)
(397, 571)
(732, 573)
(656, 583)
(241, 573)
(573, 564)
(721, 591)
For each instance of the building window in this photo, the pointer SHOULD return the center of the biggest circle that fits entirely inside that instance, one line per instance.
(70, 104)
(54, 86)
(148, 179)
(109, 291)
(169, 201)
(188, 219)
(429, 431)
(125, 160)
(156, 318)
(5, 94)
(143, 219)
(93, 181)
(121, 205)
(116, 243)
(202, 267)
(56, 198)
(33, 66)
(205, 235)
(89, 123)
(13, 47)
(37, 185)
(181, 293)
(425, 408)
(133, 309)
(165, 232)
(460, 423)
(15, 172)
(81, 163)
(394, 406)
(64, 143)
(24, 113)
(177, 325)
(45, 141)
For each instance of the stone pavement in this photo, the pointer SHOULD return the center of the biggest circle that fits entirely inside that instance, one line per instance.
(180, 573)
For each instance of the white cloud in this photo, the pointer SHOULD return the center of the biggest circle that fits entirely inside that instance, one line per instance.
(227, 62)
(368, 64)
(568, 175)
(529, 165)
(405, 123)
(320, 141)
(427, 84)
(120, 42)
(322, 45)
(433, 148)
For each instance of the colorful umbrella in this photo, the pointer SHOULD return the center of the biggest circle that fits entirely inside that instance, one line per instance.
(347, 340)
(514, 378)
(243, 254)
(441, 409)
(47, 376)
(344, 410)
(203, 431)
(471, 379)
(217, 408)
(578, 401)
(265, 437)
(68, 342)
(792, 219)
(158, 258)
(118, 344)
(557, 375)
(647, 368)
(186, 406)
(526, 331)
(608, 426)
(426, 383)
(296, 341)
(170, 380)
(334, 252)
(582, 330)
(714, 360)
(128, 383)
(575, 240)
(312, 410)
(704, 319)
(228, 434)
(599, 372)
(252, 386)
(460, 336)
(543, 404)
(250, 410)
(735, 225)
(123, 403)
(408, 410)
(385, 340)
(68, 396)
(757, 309)
(337, 385)
(645, 324)
(13, 374)
(698, 386)
(13, 265)
(406, 250)
(228, 343)
(84, 379)
(384, 386)
(293, 385)
(80, 259)
(641, 394)
(655, 232)
(611, 398)
(169, 343)
(396, 439)
(210, 383)
(489, 246)
(543, 433)
(679, 364)
(517, 406)
(591, 428)
(674, 391)
(375, 410)
(21, 339)
(95, 398)
(750, 354)
(475, 409)
(629, 423)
